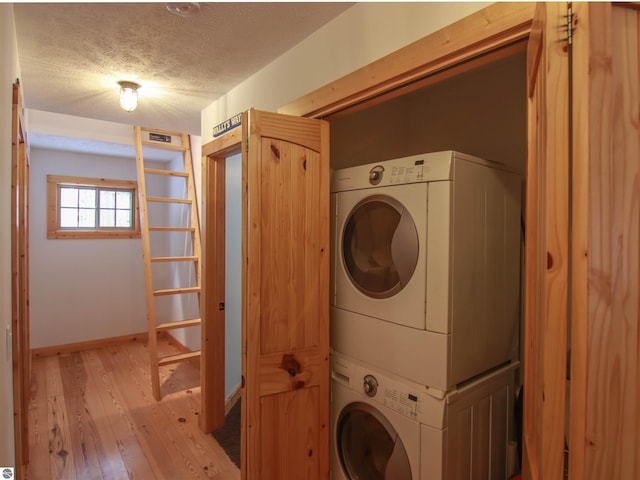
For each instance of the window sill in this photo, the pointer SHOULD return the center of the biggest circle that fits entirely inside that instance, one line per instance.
(91, 234)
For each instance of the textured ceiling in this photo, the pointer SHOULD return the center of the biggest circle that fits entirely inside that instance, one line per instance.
(73, 54)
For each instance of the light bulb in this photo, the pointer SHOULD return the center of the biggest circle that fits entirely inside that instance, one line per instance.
(128, 96)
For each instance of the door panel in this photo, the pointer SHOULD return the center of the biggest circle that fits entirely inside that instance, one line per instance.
(605, 353)
(547, 246)
(289, 428)
(286, 326)
(290, 239)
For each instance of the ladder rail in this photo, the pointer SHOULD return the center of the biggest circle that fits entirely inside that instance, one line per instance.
(148, 275)
(195, 215)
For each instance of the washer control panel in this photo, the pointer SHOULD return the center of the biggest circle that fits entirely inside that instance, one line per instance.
(402, 400)
(414, 401)
(400, 397)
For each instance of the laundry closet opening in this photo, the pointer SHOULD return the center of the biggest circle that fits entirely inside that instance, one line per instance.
(480, 109)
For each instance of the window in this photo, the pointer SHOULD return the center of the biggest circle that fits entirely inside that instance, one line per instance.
(91, 208)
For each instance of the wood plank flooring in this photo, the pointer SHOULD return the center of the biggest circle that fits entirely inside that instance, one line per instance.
(92, 416)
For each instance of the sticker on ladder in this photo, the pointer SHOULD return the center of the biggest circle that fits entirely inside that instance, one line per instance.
(163, 138)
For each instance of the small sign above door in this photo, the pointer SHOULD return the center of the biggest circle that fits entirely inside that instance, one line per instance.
(227, 125)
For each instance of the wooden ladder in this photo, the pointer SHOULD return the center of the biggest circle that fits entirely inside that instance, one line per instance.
(159, 222)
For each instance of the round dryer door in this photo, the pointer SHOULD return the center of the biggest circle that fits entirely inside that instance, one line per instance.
(380, 246)
(369, 447)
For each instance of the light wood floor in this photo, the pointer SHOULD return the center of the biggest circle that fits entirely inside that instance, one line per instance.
(92, 416)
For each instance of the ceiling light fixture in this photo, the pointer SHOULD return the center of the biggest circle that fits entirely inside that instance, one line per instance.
(187, 9)
(128, 95)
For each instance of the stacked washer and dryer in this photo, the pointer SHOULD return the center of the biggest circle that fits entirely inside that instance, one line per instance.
(425, 315)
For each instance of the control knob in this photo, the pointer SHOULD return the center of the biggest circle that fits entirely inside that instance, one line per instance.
(375, 174)
(370, 385)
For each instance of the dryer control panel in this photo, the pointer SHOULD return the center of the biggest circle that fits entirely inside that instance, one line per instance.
(409, 173)
(428, 167)
(398, 173)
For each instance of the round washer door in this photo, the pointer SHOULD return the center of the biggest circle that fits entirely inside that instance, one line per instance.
(380, 246)
(368, 445)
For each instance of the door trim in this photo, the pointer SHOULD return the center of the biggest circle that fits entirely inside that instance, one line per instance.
(481, 38)
(20, 282)
(212, 367)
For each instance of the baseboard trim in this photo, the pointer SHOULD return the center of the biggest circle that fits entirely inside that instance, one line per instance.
(180, 346)
(174, 341)
(88, 345)
(233, 398)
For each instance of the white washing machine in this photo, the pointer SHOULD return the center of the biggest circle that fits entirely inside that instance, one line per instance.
(426, 266)
(385, 428)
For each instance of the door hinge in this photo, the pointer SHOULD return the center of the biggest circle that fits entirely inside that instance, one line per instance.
(570, 25)
(246, 145)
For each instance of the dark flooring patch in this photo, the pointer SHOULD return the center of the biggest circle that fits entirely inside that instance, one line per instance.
(229, 436)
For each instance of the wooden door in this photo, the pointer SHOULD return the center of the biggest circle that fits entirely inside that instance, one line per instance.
(20, 282)
(605, 340)
(285, 290)
(547, 245)
(286, 356)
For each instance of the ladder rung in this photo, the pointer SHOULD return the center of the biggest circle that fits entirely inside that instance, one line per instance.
(158, 171)
(172, 229)
(175, 259)
(168, 200)
(181, 357)
(180, 324)
(176, 291)
(160, 131)
(166, 146)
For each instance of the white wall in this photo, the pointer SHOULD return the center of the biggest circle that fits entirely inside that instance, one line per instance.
(359, 36)
(9, 71)
(101, 279)
(183, 307)
(81, 289)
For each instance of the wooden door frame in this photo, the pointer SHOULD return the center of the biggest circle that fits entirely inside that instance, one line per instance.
(474, 40)
(547, 257)
(21, 356)
(461, 46)
(212, 370)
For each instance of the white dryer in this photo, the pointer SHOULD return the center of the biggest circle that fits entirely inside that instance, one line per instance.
(426, 266)
(385, 428)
